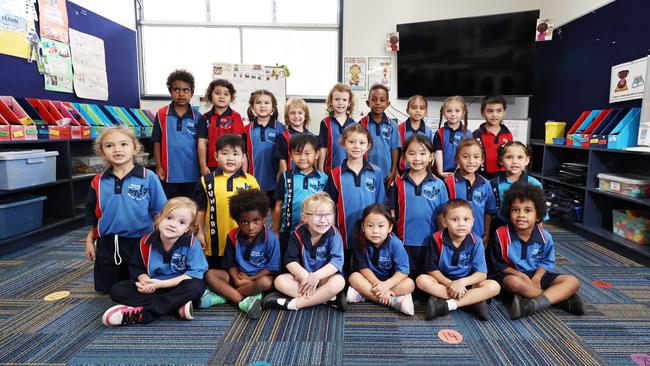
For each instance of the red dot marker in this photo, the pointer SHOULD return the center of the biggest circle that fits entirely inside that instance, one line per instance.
(601, 284)
(450, 336)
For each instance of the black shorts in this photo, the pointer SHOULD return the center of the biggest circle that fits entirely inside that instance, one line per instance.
(416, 259)
(214, 261)
(546, 282)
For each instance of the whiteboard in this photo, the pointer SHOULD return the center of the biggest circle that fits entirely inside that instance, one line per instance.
(248, 78)
(520, 128)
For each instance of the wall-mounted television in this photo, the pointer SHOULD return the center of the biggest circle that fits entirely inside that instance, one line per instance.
(468, 56)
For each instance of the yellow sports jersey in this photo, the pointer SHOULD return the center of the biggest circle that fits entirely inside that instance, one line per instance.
(218, 188)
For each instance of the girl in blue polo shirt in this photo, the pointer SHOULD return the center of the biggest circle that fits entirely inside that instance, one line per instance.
(296, 116)
(380, 263)
(447, 137)
(470, 186)
(121, 203)
(415, 199)
(340, 104)
(416, 107)
(456, 271)
(166, 270)
(261, 135)
(314, 259)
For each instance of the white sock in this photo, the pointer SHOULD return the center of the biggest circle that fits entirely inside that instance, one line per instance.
(292, 304)
(332, 299)
(452, 305)
(281, 301)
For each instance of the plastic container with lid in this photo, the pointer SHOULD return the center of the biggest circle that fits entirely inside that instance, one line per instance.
(20, 216)
(26, 168)
(631, 185)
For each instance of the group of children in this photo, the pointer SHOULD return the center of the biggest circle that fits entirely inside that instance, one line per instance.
(381, 207)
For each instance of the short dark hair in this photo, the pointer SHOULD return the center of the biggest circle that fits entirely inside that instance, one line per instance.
(456, 203)
(247, 200)
(230, 140)
(299, 140)
(207, 98)
(525, 191)
(493, 99)
(376, 87)
(180, 75)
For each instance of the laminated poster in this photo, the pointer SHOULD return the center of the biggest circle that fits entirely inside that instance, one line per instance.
(544, 30)
(18, 35)
(89, 63)
(379, 71)
(54, 20)
(627, 80)
(58, 66)
(354, 72)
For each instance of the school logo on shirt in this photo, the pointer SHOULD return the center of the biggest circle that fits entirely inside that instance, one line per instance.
(257, 258)
(479, 197)
(138, 192)
(384, 262)
(271, 137)
(316, 186)
(321, 253)
(371, 184)
(178, 262)
(386, 131)
(430, 192)
(464, 260)
(245, 186)
(536, 254)
(225, 123)
(191, 127)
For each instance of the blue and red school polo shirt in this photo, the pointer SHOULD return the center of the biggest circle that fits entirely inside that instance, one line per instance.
(385, 139)
(455, 263)
(447, 140)
(330, 133)
(260, 143)
(383, 261)
(264, 252)
(479, 195)
(312, 257)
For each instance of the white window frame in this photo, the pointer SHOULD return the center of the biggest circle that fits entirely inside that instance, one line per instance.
(140, 23)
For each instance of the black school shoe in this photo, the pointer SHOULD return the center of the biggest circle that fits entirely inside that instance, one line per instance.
(435, 307)
(270, 301)
(480, 309)
(574, 305)
(521, 307)
(340, 303)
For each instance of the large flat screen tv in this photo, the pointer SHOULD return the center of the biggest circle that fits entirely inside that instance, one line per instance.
(467, 56)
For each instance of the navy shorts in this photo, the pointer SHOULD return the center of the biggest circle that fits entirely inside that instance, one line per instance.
(416, 259)
(547, 278)
(214, 261)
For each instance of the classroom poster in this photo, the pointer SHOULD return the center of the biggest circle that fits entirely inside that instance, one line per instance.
(544, 30)
(18, 35)
(354, 72)
(54, 20)
(89, 64)
(379, 71)
(58, 66)
(627, 81)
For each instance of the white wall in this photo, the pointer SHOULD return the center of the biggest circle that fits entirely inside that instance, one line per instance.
(563, 11)
(120, 11)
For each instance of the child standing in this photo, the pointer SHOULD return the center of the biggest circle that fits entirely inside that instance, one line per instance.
(174, 142)
(314, 259)
(261, 134)
(340, 104)
(522, 257)
(455, 265)
(470, 186)
(251, 258)
(296, 184)
(380, 263)
(219, 120)
(447, 137)
(296, 115)
(415, 199)
(492, 133)
(212, 194)
(121, 204)
(515, 158)
(166, 270)
(385, 138)
(354, 185)
(416, 107)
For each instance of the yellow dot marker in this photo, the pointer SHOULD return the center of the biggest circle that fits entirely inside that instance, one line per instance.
(57, 295)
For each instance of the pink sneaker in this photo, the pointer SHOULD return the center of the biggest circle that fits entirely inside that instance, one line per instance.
(122, 315)
(186, 311)
(354, 296)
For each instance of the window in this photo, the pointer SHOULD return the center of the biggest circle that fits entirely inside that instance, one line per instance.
(192, 34)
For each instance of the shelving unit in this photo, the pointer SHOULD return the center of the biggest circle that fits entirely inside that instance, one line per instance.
(598, 204)
(63, 208)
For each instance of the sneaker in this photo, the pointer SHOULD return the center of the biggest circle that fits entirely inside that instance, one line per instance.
(480, 309)
(122, 315)
(574, 305)
(354, 296)
(339, 303)
(252, 306)
(521, 307)
(209, 299)
(270, 301)
(435, 307)
(403, 303)
(186, 311)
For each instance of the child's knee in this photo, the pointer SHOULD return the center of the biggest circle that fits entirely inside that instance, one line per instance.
(407, 285)
(264, 283)
(492, 286)
(336, 283)
(355, 279)
(424, 279)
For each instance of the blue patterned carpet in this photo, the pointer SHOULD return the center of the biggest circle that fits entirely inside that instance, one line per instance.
(68, 331)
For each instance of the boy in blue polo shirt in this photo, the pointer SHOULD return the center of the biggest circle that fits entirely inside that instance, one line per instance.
(296, 184)
(314, 259)
(385, 136)
(455, 265)
(252, 256)
(522, 257)
(174, 141)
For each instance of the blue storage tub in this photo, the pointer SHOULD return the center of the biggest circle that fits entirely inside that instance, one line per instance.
(27, 168)
(17, 217)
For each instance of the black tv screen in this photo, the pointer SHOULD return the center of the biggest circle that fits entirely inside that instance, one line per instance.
(467, 56)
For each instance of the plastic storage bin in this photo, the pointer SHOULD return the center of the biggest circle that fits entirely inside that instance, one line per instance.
(632, 224)
(95, 164)
(554, 129)
(21, 216)
(630, 185)
(27, 168)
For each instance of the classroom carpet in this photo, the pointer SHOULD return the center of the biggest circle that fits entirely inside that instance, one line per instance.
(615, 329)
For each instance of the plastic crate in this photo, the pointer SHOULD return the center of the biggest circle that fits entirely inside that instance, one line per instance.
(630, 185)
(27, 168)
(95, 164)
(632, 224)
(17, 217)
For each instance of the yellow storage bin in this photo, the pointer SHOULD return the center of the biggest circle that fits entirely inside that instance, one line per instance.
(554, 129)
